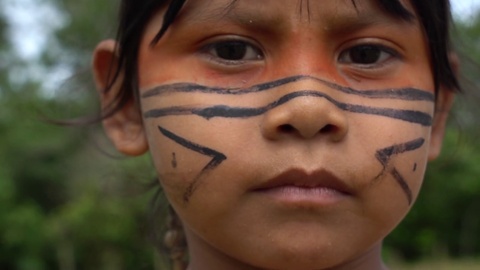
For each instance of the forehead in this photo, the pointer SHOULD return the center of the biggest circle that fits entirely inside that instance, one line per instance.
(279, 12)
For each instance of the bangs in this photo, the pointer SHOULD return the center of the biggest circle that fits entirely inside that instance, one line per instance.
(170, 15)
(396, 9)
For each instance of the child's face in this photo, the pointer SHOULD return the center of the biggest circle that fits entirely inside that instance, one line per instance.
(286, 134)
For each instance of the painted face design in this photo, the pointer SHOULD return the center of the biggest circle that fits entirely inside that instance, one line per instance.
(384, 155)
(291, 114)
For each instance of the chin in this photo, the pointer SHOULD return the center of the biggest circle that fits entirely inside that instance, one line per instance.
(309, 255)
(299, 262)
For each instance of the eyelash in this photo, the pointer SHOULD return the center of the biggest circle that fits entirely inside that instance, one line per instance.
(243, 52)
(384, 55)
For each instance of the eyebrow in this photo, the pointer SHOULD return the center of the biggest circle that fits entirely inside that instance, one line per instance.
(250, 17)
(256, 18)
(363, 19)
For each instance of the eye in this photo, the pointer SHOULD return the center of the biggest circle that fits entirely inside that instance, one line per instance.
(366, 55)
(234, 52)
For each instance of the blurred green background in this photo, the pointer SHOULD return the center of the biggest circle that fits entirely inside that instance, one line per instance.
(68, 201)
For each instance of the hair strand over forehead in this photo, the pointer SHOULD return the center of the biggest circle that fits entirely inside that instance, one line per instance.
(169, 17)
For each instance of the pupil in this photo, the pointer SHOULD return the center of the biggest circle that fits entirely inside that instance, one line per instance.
(232, 50)
(365, 54)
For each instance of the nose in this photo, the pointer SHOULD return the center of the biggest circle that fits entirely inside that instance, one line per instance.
(305, 114)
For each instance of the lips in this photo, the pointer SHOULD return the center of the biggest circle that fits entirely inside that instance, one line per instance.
(301, 179)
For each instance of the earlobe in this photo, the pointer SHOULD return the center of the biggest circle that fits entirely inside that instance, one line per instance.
(123, 125)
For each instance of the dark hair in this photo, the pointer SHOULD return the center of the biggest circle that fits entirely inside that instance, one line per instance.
(434, 15)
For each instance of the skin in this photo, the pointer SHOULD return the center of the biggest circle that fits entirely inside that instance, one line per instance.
(211, 165)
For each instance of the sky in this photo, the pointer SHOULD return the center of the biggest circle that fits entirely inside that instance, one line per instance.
(27, 19)
(464, 8)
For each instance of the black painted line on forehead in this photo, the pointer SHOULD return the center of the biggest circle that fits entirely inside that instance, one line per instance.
(217, 158)
(385, 155)
(416, 117)
(394, 93)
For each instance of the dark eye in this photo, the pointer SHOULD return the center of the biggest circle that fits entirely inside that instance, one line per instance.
(365, 55)
(235, 51)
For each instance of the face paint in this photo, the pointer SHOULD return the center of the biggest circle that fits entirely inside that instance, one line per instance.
(222, 111)
(301, 103)
(409, 94)
(217, 158)
(400, 94)
(174, 160)
(385, 155)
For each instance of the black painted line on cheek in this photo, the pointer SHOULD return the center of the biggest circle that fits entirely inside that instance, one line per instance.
(416, 117)
(403, 184)
(192, 87)
(174, 160)
(171, 111)
(385, 155)
(408, 93)
(217, 158)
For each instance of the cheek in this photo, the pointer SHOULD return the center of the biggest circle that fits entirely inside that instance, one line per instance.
(387, 190)
(167, 160)
(393, 159)
(195, 153)
(222, 158)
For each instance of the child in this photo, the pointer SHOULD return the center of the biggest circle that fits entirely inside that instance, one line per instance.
(285, 134)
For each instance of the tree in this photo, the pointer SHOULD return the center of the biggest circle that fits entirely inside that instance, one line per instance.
(64, 204)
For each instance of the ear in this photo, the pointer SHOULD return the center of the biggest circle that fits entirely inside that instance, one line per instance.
(443, 105)
(124, 126)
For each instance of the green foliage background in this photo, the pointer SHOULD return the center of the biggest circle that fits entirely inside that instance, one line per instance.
(65, 204)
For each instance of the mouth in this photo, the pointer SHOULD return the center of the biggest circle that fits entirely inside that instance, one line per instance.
(300, 187)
